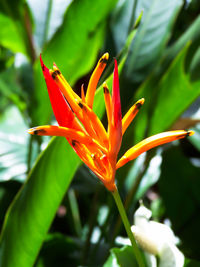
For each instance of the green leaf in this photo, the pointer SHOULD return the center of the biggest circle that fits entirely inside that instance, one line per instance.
(13, 145)
(30, 215)
(123, 257)
(47, 17)
(121, 20)
(176, 92)
(166, 98)
(10, 89)
(192, 34)
(179, 187)
(152, 36)
(9, 35)
(191, 263)
(74, 48)
(16, 27)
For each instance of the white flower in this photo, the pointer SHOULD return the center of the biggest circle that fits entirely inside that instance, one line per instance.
(157, 239)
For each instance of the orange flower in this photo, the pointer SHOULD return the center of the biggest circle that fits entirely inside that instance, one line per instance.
(97, 147)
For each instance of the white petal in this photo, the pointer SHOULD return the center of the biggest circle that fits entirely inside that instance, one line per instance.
(145, 241)
(170, 256)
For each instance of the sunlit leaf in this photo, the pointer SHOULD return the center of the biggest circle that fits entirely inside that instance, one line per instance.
(32, 212)
(48, 17)
(13, 146)
(152, 36)
(15, 21)
(171, 95)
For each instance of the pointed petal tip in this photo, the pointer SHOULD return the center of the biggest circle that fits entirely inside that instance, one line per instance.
(104, 59)
(139, 103)
(31, 130)
(190, 133)
(39, 130)
(106, 56)
(105, 84)
(44, 68)
(105, 88)
(142, 100)
(55, 67)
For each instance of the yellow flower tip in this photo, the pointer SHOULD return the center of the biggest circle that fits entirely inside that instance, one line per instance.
(139, 103)
(103, 60)
(105, 84)
(54, 73)
(142, 100)
(105, 88)
(105, 57)
(55, 66)
(189, 133)
(36, 131)
(30, 131)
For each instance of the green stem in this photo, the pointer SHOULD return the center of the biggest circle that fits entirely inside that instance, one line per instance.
(127, 227)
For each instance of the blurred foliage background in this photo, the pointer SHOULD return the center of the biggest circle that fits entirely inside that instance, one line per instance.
(53, 211)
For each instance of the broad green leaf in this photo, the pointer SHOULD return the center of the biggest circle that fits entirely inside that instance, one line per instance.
(166, 98)
(121, 22)
(10, 89)
(15, 21)
(30, 215)
(191, 34)
(48, 17)
(179, 187)
(152, 36)
(176, 91)
(123, 257)
(9, 36)
(191, 263)
(13, 145)
(74, 48)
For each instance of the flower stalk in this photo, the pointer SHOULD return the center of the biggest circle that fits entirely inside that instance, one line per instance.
(126, 223)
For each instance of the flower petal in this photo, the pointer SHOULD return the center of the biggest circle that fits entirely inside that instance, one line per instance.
(95, 78)
(91, 118)
(108, 102)
(150, 142)
(61, 109)
(115, 134)
(130, 115)
(72, 98)
(72, 134)
(82, 93)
